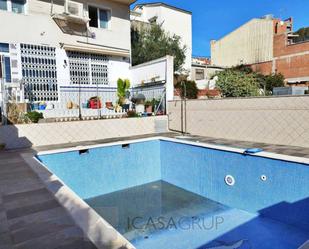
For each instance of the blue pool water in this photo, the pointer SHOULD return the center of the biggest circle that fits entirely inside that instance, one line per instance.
(162, 194)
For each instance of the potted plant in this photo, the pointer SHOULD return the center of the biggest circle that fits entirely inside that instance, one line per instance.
(34, 116)
(132, 114)
(95, 102)
(149, 106)
(123, 87)
(155, 103)
(109, 105)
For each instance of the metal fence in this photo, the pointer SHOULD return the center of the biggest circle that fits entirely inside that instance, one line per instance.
(73, 102)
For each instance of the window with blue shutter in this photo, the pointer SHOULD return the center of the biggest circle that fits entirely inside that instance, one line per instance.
(7, 69)
(18, 6)
(3, 5)
(4, 47)
(103, 19)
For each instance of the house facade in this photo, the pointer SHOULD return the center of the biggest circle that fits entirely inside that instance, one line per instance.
(51, 49)
(173, 20)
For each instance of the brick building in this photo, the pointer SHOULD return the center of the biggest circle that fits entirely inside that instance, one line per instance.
(267, 45)
(289, 58)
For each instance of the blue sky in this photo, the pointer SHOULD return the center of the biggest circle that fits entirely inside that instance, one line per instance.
(213, 19)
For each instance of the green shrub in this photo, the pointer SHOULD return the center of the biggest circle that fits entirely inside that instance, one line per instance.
(34, 116)
(191, 89)
(271, 81)
(234, 83)
(132, 114)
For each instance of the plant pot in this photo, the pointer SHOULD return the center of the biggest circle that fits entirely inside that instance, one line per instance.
(149, 109)
(94, 104)
(109, 105)
(140, 108)
(126, 107)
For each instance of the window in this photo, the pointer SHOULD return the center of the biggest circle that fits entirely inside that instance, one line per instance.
(7, 69)
(103, 19)
(4, 47)
(18, 6)
(99, 18)
(86, 69)
(3, 5)
(93, 16)
(39, 75)
(199, 74)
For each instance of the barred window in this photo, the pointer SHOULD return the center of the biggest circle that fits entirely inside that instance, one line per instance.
(86, 69)
(39, 72)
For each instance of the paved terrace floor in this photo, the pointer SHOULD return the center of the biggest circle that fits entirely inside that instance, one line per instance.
(31, 218)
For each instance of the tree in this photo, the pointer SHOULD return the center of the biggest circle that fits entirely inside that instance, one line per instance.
(235, 83)
(268, 82)
(303, 35)
(150, 43)
(190, 88)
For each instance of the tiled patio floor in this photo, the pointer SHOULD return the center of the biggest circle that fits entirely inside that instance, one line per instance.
(30, 217)
(280, 149)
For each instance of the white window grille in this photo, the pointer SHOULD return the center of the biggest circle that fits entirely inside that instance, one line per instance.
(39, 71)
(87, 69)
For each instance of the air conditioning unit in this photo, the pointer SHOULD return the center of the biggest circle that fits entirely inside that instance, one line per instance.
(74, 8)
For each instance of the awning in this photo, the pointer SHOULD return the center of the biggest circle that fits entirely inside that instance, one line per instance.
(96, 49)
(297, 80)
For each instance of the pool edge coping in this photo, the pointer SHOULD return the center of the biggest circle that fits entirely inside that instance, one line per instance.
(94, 226)
(264, 154)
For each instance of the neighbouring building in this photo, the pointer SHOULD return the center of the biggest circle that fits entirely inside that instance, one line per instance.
(267, 45)
(52, 49)
(202, 72)
(201, 60)
(173, 20)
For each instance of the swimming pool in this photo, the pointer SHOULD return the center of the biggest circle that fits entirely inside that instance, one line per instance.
(165, 193)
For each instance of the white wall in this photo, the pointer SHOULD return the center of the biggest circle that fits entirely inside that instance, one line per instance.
(161, 69)
(63, 70)
(38, 27)
(179, 23)
(119, 67)
(20, 136)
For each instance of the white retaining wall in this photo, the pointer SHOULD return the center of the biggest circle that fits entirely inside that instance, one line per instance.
(21, 136)
(273, 120)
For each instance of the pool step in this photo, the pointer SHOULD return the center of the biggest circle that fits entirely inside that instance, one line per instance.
(305, 246)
